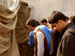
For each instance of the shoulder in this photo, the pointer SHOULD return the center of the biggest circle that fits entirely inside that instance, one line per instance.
(70, 30)
(69, 33)
(39, 33)
(31, 34)
(68, 39)
(36, 29)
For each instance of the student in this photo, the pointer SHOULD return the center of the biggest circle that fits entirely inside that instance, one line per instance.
(67, 43)
(44, 22)
(31, 35)
(41, 38)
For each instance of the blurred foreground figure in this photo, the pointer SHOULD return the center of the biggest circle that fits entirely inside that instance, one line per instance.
(8, 19)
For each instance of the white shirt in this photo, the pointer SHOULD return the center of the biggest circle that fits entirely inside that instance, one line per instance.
(40, 42)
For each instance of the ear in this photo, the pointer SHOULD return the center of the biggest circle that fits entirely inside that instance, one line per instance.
(30, 26)
(60, 21)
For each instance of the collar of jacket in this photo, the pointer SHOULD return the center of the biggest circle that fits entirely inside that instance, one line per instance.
(69, 25)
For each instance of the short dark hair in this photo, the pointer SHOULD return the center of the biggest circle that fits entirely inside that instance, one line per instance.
(72, 19)
(56, 15)
(32, 22)
(43, 20)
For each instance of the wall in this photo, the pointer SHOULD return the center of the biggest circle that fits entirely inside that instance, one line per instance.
(43, 8)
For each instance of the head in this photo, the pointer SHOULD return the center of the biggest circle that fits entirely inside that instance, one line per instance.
(72, 19)
(58, 20)
(43, 21)
(31, 24)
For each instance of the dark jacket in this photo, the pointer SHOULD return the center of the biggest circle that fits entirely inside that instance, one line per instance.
(67, 43)
(55, 41)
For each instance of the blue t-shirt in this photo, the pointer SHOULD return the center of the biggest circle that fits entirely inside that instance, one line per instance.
(31, 37)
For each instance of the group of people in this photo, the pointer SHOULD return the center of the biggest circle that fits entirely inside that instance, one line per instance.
(52, 37)
(55, 37)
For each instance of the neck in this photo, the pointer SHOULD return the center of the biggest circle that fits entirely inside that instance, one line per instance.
(34, 28)
(65, 24)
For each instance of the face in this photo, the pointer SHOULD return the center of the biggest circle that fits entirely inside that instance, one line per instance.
(58, 26)
(30, 27)
(42, 23)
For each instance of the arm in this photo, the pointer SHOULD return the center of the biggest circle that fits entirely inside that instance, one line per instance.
(31, 37)
(40, 45)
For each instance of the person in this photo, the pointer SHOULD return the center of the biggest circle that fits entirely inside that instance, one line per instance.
(44, 22)
(72, 19)
(31, 36)
(67, 33)
(41, 38)
(8, 20)
(55, 36)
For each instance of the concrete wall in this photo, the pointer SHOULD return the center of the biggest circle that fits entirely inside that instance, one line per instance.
(43, 8)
